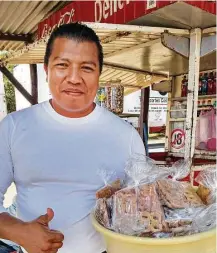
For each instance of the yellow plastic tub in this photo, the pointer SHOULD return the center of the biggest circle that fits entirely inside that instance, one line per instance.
(117, 243)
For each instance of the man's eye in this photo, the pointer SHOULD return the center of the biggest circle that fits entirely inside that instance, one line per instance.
(87, 68)
(61, 64)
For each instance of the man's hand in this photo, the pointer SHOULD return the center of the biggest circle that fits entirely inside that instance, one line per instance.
(36, 237)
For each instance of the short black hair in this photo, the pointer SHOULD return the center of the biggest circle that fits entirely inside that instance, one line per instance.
(76, 31)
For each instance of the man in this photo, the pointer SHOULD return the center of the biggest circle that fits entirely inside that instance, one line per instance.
(54, 150)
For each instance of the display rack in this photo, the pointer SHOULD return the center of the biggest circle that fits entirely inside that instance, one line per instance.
(176, 121)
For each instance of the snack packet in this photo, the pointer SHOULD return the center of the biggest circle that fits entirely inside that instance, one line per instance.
(137, 209)
(104, 203)
(207, 185)
(111, 185)
(204, 220)
(175, 194)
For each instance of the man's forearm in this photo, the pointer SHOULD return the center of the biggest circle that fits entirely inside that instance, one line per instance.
(11, 228)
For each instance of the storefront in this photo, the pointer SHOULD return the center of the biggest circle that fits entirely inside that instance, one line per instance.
(139, 56)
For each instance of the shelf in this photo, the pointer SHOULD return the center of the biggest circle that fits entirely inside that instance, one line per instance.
(205, 108)
(176, 154)
(199, 97)
(125, 115)
(178, 120)
(178, 99)
(206, 96)
(204, 152)
(177, 110)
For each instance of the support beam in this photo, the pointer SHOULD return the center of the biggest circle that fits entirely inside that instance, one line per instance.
(114, 36)
(192, 96)
(131, 69)
(208, 45)
(143, 120)
(128, 49)
(34, 80)
(16, 37)
(177, 44)
(181, 45)
(16, 83)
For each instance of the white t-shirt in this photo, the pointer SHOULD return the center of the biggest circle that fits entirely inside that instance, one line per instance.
(55, 162)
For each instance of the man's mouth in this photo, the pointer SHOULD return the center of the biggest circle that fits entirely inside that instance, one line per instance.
(73, 92)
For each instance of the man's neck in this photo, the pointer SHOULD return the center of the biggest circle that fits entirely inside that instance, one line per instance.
(72, 114)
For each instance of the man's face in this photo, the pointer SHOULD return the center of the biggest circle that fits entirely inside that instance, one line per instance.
(73, 74)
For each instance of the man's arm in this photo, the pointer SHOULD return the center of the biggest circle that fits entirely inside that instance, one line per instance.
(10, 226)
(34, 236)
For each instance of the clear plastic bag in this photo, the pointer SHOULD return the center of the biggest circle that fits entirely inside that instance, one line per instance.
(175, 194)
(112, 184)
(179, 221)
(178, 110)
(207, 185)
(206, 131)
(204, 220)
(137, 209)
(115, 99)
(141, 169)
(104, 203)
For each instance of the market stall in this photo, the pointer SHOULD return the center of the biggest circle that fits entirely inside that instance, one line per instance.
(135, 58)
(139, 56)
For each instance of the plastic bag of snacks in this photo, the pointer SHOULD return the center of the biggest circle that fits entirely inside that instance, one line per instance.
(179, 199)
(136, 208)
(104, 204)
(204, 220)
(115, 99)
(175, 194)
(149, 204)
(179, 221)
(207, 185)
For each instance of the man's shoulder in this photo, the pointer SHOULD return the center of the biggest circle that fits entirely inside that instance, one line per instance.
(26, 113)
(115, 120)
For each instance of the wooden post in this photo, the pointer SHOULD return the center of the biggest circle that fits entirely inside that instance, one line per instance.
(34, 80)
(16, 83)
(144, 115)
(192, 96)
(3, 106)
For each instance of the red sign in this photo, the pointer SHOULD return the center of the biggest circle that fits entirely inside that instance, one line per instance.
(101, 11)
(178, 138)
(108, 11)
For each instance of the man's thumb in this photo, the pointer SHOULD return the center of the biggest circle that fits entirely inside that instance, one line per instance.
(46, 218)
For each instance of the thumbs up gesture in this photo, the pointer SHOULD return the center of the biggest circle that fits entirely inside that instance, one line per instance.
(36, 237)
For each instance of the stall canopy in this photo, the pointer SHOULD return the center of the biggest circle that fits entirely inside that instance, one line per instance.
(134, 55)
(19, 21)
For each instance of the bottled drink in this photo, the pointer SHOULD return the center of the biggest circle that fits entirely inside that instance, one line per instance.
(214, 85)
(184, 87)
(200, 85)
(198, 108)
(210, 84)
(204, 84)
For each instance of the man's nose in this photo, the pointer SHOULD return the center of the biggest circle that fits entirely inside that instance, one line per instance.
(74, 76)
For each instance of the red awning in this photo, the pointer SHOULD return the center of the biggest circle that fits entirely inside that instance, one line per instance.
(174, 14)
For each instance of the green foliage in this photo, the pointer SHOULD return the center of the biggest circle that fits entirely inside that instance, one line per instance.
(9, 92)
